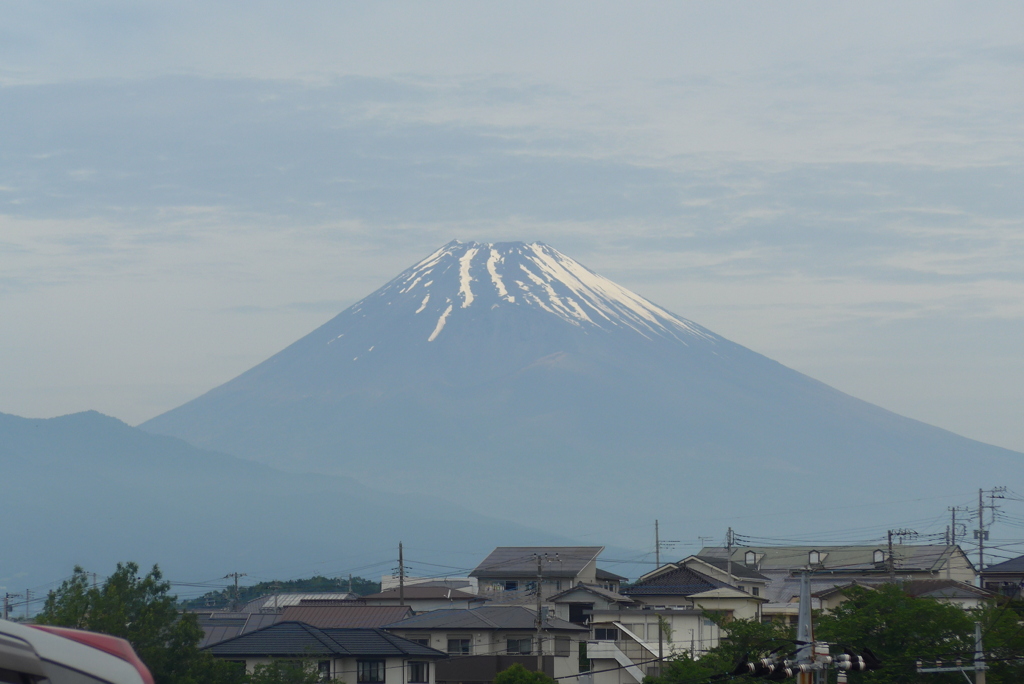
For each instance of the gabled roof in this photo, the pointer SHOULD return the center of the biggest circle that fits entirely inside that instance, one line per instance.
(738, 570)
(591, 589)
(485, 618)
(859, 558)
(673, 580)
(345, 616)
(521, 561)
(421, 592)
(296, 639)
(221, 625)
(924, 588)
(609, 576)
(1012, 565)
(276, 602)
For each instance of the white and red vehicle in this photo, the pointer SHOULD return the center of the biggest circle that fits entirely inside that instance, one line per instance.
(56, 655)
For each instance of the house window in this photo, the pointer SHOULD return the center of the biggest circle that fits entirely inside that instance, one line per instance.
(419, 639)
(458, 646)
(756, 591)
(879, 556)
(519, 646)
(814, 558)
(601, 634)
(511, 585)
(323, 668)
(370, 671)
(419, 672)
(750, 558)
(562, 646)
(558, 585)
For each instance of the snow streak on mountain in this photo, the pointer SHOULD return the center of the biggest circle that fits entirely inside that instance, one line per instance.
(487, 372)
(463, 275)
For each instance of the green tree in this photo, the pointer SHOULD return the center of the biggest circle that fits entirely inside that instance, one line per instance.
(741, 640)
(898, 629)
(139, 609)
(280, 671)
(517, 674)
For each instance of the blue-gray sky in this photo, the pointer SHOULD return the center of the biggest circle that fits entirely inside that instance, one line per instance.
(186, 188)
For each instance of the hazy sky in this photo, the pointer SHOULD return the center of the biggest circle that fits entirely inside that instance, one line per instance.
(186, 188)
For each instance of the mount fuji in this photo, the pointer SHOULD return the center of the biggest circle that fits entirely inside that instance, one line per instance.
(512, 379)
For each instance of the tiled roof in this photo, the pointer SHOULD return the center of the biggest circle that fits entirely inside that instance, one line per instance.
(521, 561)
(738, 570)
(278, 601)
(909, 557)
(345, 616)
(598, 591)
(1012, 565)
(421, 592)
(296, 639)
(605, 575)
(679, 581)
(486, 618)
(220, 626)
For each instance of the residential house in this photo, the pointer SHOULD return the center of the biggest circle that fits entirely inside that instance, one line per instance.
(509, 574)
(1005, 578)
(835, 566)
(576, 604)
(485, 641)
(357, 656)
(665, 612)
(423, 599)
(957, 593)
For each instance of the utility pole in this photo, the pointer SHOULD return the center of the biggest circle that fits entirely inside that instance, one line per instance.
(728, 554)
(804, 630)
(350, 582)
(891, 560)
(981, 534)
(235, 575)
(979, 656)
(7, 603)
(540, 616)
(401, 575)
(28, 600)
(659, 545)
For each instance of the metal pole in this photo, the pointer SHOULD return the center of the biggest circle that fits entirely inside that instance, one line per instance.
(981, 532)
(657, 547)
(401, 576)
(804, 630)
(892, 561)
(979, 656)
(728, 556)
(540, 618)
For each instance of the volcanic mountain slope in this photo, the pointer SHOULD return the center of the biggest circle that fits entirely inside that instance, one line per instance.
(86, 489)
(494, 372)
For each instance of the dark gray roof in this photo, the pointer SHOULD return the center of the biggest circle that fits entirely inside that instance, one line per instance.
(487, 617)
(597, 591)
(678, 581)
(605, 575)
(297, 639)
(1012, 565)
(737, 569)
(345, 616)
(521, 561)
(222, 625)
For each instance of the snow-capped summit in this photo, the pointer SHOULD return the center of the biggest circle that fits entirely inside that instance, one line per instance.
(467, 275)
(494, 373)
